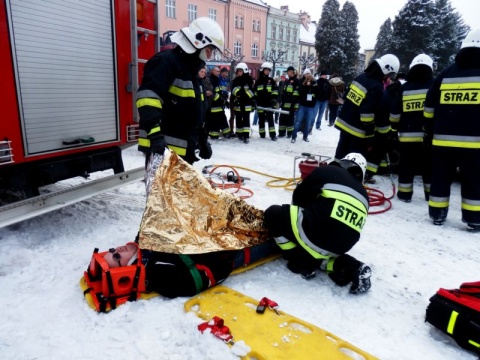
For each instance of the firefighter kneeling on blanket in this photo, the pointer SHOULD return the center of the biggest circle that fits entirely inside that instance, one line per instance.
(328, 211)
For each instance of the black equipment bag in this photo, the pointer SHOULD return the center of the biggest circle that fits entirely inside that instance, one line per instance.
(457, 313)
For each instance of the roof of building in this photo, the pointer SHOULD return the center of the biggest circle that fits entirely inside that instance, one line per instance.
(257, 2)
(307, 29)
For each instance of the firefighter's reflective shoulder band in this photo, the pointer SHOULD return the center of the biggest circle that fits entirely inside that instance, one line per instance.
(110, 287)
(457, 313)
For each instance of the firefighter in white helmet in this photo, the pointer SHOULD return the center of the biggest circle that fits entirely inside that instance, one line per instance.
(452, 109)
(266, 95)
(328, 211)
(170, 98)
(356, 119)
(243, 100)
(407, 119)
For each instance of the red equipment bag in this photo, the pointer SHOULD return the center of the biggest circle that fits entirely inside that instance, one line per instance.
(457, 313)
(111, 287)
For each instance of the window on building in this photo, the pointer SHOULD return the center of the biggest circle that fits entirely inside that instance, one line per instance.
(237, 48)
(192, 12)
(294, 36)
(293, 56)
(280, 33)
(170, 8)
(236, 21)
(212, 14)
(288, 35)
(240, 22)
(274, 32)
(254, 50)
(258, 26)
(254, 22)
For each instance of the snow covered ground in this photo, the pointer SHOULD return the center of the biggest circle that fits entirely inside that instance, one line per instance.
(44, 314)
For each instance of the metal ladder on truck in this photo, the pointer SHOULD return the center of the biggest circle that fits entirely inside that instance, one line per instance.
(140, 34)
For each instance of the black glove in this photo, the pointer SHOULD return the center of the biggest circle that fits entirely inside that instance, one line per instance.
(427, 141)
(227, 104)
(157, 143)
(274, 104)
(205, 149)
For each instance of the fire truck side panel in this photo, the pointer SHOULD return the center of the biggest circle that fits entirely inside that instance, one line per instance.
(10, 131)
(67, 103)
(65, 71)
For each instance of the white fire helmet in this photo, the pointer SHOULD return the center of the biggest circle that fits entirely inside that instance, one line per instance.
(389, 63)
(472, 39)
(356, 165)
(422, 59)
(266, 65)
(242, 66)
(201, 33)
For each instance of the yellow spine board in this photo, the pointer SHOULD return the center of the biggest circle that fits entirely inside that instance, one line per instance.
(271, 335)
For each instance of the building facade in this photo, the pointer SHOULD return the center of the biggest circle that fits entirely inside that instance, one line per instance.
(282, 39)
(308, 58)
(246, 35)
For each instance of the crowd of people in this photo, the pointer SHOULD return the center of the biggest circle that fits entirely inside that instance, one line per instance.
(433, 121)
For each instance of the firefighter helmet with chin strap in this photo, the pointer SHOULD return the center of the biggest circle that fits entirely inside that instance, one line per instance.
(266, 65)
(355, 164)
(389, 63)
(201, 32)
(242, 66)
(472, 39)
(422, 59)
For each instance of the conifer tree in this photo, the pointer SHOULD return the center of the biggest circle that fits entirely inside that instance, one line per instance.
(385, 40)
(448, 33)
(351, 45)
(328, 42)
(413, 31)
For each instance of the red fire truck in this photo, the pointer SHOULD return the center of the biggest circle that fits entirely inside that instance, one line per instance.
(69, 71)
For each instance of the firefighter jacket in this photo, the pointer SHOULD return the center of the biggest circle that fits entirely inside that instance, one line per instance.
(242, 90)
(382, 116)
(357, 116)
(170, 101)
(290, 94)
(266, 91)
(406, 116)
(328, 212)
(452, 105)
(218, 101)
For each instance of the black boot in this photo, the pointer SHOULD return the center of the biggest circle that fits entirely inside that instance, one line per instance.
(347, 269)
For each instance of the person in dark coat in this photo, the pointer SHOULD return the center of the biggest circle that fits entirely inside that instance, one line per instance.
(244, 101)
(170, 99)
(356, 119)
(328, 212)
(452, 109)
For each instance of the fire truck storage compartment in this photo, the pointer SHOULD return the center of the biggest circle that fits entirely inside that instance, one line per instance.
(64, 58)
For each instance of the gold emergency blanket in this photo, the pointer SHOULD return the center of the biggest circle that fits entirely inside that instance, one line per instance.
(185, 215)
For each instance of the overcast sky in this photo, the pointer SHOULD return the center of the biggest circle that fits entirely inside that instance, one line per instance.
(373, 13)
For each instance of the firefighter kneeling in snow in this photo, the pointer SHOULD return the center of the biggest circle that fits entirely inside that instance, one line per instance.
(328, 212)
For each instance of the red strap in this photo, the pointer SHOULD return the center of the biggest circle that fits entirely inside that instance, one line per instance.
(246, 256)
(209, 274)
(217, 328)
